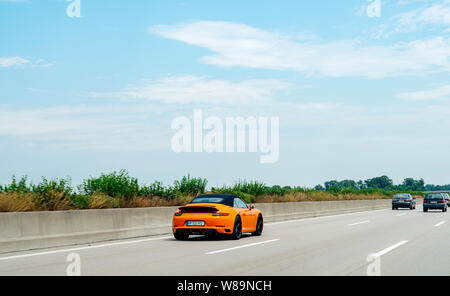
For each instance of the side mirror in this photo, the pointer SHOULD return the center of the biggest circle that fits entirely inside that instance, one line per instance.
(252, 207)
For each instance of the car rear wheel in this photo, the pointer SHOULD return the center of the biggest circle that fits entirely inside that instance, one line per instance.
(181, 236)
(425, 210)
(237, 229)
(259, 227)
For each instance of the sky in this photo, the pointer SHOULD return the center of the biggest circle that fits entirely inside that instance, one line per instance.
(361, 88)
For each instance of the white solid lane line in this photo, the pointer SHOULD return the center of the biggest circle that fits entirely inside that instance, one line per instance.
(243, 246)
(391, 248)
(399, 215)
(359, 223)
(440, 223)
(82, 248)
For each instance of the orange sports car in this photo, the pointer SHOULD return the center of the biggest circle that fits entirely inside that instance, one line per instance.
(213, 214)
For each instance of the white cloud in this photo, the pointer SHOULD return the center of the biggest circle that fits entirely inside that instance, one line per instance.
(431, 15)
(146, 127)
(13, 61)
(436, 14)
(133, 127)
(435, 94)
(245, 46)
(194, 89)
(19, 61)
(40, 63)
(116, 127)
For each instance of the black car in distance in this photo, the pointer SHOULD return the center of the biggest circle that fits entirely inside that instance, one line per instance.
(403, 200)
(435, 201)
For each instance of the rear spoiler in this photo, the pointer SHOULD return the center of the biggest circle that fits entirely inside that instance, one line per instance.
(199, 209)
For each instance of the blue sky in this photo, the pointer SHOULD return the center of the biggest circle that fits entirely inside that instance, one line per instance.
(357, 96)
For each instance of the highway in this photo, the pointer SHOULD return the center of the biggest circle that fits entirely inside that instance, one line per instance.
(404, 243)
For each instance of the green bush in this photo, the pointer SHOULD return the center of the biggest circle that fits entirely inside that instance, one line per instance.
(155, 189)
(81, 201)
(158, 189)
(56, 185)
(276, 190)
(16, 186)
(52, 193)
(254, 188)
(188, 185)
(116, 184)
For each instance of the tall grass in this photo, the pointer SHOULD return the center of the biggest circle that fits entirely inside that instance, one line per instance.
(120, 190)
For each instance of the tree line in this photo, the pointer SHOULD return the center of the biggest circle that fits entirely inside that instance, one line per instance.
(382, 182)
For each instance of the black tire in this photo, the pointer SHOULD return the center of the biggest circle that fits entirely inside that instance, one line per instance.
(181, 236)
(425, 210)
(259, 226)
(393, 208)
(411, 208)
(237, 228)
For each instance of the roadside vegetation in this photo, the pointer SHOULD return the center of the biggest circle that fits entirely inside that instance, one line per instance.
(120, 190)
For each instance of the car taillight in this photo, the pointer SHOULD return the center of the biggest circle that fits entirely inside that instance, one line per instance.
(424, 201)
(442, 201)
(408, 200)
(220, 214)
(178, 213)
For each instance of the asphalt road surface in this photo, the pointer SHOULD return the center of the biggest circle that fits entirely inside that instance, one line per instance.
(401, 242)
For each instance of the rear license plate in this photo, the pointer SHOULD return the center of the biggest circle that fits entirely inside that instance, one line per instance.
(434, 202)
(195, 223)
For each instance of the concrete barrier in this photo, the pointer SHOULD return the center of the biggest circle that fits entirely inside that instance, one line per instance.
(296, 210)
(34, 230)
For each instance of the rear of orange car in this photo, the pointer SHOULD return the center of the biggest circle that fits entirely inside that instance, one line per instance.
(204, 219)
